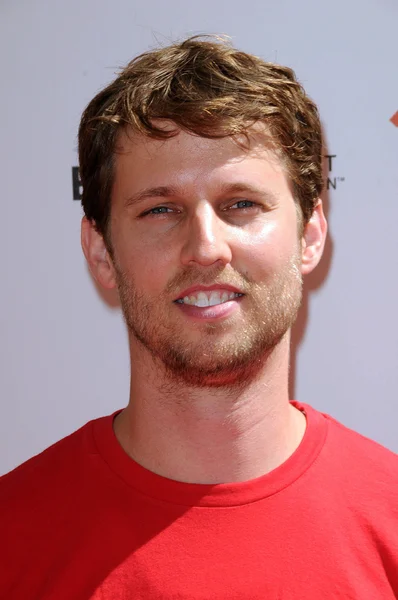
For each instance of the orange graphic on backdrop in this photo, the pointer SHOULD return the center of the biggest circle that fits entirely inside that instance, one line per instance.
(394, 119)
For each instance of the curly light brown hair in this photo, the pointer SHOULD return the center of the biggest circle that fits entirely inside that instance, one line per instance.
(208, 88)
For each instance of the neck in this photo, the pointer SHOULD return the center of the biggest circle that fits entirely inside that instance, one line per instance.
(210, 435)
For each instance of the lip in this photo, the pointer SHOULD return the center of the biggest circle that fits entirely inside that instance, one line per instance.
(216, 313)
(207, 288)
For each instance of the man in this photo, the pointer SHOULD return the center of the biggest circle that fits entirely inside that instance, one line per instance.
(201, 171)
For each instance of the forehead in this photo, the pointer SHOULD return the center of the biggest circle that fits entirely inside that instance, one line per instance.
(187, 159)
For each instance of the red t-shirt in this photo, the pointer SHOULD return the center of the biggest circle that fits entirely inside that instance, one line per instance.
(82, 520)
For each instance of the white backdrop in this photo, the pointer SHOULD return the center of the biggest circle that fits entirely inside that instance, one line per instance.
(64, 354)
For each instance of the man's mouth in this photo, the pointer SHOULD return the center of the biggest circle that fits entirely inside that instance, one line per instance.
(210, 298)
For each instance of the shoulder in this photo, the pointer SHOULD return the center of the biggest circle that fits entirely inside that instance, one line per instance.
(44, 503)
(357, 447)
(364, 472)
(346, 442)
(351, 462)
(43, 478)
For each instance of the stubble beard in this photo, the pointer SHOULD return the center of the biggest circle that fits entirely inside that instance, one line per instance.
(224, 354)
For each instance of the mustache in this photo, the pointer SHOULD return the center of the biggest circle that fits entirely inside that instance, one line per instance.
(217, 276)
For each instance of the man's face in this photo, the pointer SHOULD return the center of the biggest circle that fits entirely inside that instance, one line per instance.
(190, 214)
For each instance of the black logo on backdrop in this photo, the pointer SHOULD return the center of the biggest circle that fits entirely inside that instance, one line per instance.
(76, 184)
(331, 182)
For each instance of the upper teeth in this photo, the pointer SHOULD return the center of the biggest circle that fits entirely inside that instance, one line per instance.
(208, 298)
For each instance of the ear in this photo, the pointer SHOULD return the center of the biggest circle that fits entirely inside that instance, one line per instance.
(313, 240)
(97, 255)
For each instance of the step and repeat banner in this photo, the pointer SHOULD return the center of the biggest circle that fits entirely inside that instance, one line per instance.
(64, 351)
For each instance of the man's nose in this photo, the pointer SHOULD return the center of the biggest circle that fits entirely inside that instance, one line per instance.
(206, 240)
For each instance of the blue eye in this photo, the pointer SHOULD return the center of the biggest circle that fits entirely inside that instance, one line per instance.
(158, 210)
(242, 203)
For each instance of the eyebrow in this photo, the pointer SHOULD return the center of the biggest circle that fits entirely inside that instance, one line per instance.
(242, 187)
(164, 191)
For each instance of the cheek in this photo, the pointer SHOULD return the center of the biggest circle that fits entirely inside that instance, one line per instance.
(262, 253)
(146, 265)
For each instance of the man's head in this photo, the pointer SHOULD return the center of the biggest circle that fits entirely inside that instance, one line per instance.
(210, 89)
(201, 168)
